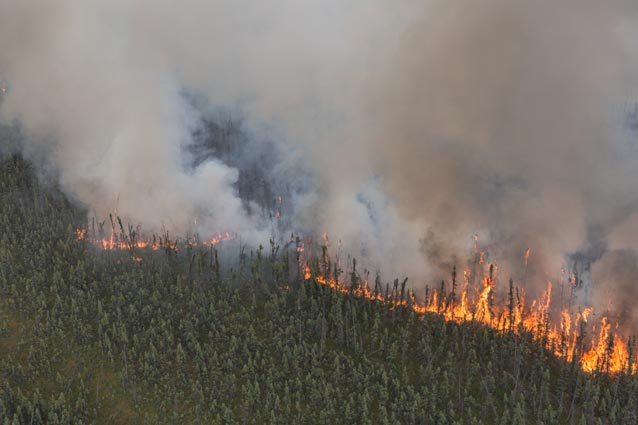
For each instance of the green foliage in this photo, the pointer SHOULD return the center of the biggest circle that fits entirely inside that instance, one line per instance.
(92, 336)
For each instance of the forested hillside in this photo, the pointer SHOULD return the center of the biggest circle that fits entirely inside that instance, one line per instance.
(197, 335)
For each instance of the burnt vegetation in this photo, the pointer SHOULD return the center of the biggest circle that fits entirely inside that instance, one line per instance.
(198, 335)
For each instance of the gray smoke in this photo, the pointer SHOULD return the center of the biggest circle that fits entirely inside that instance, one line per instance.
(507, 119)
(401, 130)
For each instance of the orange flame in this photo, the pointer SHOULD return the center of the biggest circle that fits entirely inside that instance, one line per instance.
(115, 242)
(607, 352)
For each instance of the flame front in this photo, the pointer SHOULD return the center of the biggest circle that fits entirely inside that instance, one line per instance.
(565, 337)
(124, 241)
(605, 350)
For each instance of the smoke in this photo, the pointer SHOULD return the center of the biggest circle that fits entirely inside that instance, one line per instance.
(104, 92)
(400, 130)
(506, 119)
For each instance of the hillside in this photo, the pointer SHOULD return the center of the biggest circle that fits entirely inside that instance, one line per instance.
(204, 336)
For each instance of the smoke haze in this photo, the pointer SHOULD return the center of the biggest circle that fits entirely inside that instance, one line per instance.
(505, 119)
(400, 129)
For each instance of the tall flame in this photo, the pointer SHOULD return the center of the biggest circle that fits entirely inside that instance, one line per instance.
(565, 336)
(562, 332)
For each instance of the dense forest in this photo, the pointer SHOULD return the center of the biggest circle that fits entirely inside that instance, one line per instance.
(198, 335)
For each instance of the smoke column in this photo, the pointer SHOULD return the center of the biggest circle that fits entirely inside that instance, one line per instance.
(507, 119)
(416, 125)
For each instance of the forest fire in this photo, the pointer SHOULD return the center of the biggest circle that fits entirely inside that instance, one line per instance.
(131, 239)
(569, 335)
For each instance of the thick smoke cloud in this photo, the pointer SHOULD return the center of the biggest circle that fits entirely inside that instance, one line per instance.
(99, 88)
(406, 129)
(506, 119)
(109, 95)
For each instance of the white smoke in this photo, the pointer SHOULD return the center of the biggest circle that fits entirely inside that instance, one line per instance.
(98, 87)
(418, 124)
